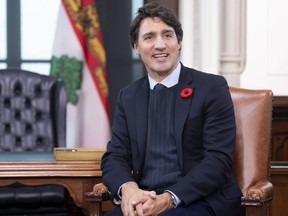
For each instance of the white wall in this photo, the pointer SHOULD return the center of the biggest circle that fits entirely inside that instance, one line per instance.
(266, 48)
(200, 46)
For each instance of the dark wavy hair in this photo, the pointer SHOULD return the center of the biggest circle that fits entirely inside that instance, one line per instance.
(152, 10)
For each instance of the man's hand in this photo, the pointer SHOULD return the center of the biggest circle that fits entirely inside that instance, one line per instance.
(162, 203)
(133, 199)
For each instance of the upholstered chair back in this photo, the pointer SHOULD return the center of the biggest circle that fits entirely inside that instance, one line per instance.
(32, 112)
(32, 119)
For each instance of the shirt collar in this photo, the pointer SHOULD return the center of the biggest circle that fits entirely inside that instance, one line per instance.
(169, 81)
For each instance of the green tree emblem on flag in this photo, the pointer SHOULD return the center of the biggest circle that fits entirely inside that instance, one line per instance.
(70, 71)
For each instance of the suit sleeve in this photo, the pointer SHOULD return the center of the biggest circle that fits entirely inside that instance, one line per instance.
(116, 162)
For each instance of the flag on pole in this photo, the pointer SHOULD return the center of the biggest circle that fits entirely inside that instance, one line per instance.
(79, 59)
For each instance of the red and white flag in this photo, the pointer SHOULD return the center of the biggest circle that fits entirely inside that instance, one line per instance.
(79, 59)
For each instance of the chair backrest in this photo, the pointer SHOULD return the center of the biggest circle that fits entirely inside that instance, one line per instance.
(253, 113)
(32, 112)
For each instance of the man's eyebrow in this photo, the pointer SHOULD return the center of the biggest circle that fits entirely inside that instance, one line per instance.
(167, 31)
(149, 33)
(163, 32)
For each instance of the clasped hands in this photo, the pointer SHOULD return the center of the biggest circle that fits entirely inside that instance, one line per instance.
(137, 202)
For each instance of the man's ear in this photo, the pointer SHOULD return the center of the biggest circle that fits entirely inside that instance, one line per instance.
(136, 48)
(180, 48)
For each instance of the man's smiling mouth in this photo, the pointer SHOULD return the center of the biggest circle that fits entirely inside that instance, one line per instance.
(163, 55)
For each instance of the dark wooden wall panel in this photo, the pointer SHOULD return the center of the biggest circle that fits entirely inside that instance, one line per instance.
(172, 4)
(279, 178)
(279, 157)
(280, 129)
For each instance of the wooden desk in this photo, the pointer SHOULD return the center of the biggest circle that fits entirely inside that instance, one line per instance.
(78, 177)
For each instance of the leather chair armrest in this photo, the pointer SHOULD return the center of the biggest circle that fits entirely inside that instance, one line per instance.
(100, 193)
(258, 195)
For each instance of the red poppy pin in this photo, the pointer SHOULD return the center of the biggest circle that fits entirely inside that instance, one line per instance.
(186, 93)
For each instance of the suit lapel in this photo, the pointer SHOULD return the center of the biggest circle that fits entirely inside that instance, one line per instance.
(181, 110)
(142, 97)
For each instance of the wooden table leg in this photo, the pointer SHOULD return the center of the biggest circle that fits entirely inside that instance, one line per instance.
(72, 209)
(95, 209)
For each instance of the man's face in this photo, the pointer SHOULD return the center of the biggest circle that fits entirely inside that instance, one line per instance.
(158, 47)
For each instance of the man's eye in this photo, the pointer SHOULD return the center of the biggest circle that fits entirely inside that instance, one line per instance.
(148, 38)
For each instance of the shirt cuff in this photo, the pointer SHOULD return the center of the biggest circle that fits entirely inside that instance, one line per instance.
(119, 192)
(176, 198)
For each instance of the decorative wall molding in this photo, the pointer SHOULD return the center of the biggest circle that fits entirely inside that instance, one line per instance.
(200, 45)
(233, 40)
(187, 19)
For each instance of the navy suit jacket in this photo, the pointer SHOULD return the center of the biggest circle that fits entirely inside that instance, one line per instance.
(204, 126)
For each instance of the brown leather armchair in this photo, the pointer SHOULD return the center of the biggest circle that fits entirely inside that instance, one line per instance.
(32, 119)
(253, 113)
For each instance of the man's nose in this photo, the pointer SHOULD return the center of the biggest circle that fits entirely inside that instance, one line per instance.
(160, 43)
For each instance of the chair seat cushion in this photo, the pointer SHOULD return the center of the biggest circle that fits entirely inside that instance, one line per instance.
(43, 211)
(31, 196)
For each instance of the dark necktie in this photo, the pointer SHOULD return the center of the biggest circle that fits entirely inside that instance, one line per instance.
(159, 86)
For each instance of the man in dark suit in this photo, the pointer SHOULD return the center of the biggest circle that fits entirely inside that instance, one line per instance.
(173, 133)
